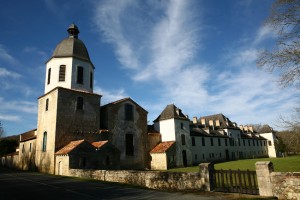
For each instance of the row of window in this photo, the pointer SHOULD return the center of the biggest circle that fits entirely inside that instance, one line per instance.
(79, 104)
(231, 142)
(62, 75)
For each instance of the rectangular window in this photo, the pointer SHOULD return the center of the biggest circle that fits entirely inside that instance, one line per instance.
(181, 125)
(244, 143)
(211, 141)
(129, 144)
(182, 139)
(219, 142)
(249, 144)
(91, 80)
(30, 147)
(49, 76)
(80, 75)
(270, 143)
(203, 141)
(47, 104)
(128, 112)
(62, 73)
(226, 144)
(79, 103)
(193, 141)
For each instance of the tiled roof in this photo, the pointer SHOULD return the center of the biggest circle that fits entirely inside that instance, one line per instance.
(162, 147)
(99, 144)
(212, 133)
(69, 147)
(170, 112)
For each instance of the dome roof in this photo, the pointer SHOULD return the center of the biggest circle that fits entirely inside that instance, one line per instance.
(71, 46)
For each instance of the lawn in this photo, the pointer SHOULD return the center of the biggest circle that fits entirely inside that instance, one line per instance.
(287, 164)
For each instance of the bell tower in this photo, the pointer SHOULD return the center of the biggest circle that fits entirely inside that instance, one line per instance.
(68, 110)
(70, 65)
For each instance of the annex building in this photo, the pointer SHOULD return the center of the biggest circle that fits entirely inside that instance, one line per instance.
(74, 131)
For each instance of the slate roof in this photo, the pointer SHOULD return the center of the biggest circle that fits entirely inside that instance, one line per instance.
(123, 100)
(72, 46)
(29, 135)
(69, 147)
(212, 133)
(265, 129)
(171, 112)
(222, 118)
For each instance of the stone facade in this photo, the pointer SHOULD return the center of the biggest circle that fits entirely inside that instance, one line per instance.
(127, 123)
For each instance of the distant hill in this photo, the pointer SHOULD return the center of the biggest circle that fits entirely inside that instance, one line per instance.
(12, 137)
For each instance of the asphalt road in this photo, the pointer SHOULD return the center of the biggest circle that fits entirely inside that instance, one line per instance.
(32, 185)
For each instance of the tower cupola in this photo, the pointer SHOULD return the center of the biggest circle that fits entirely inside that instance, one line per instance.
(70, 65)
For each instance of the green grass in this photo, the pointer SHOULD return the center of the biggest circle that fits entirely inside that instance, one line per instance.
(287, 164)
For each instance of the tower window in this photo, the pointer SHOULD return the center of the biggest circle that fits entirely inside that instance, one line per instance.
(45, 141)
(49, 76)
(79, 103)
(91, 80)
(47, 104)
(128, 112)
(80, 75)
(62, 73)
(129, 144)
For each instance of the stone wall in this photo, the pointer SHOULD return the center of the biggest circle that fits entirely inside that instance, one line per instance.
(286, 185)
(151, 179)
(277, 184)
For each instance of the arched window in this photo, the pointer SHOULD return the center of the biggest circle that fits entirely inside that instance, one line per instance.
(79, 103)
(45, 141)
(47, 104)
(62, 73)
(49, 76)
(80, 75)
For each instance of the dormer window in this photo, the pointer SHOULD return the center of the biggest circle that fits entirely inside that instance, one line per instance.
(80, 75)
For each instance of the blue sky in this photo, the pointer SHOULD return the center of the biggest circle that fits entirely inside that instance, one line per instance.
(199, 55)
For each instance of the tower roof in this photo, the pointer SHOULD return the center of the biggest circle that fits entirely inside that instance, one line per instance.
(170, 112)
(72, 46)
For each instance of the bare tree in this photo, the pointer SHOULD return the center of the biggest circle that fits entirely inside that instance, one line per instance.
(284, 19)
(1, 130)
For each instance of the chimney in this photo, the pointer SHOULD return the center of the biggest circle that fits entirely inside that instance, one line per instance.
(241, 127)
(195, 120)
(217, 123)
(250, 129)
(211, 123)
(246, 128)
(203, 122)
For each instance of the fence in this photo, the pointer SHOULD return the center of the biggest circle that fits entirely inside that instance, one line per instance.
(235, 181)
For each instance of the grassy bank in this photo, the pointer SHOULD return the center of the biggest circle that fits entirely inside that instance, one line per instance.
(286, 164)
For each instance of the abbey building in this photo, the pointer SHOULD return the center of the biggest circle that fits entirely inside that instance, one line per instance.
(74, 131)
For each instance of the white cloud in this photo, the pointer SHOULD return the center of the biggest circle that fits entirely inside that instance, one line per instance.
(8, 117)
(5, 73)
(20, 106)
(4, 55)
(108, 17)
(263, 33)
(110, 96)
